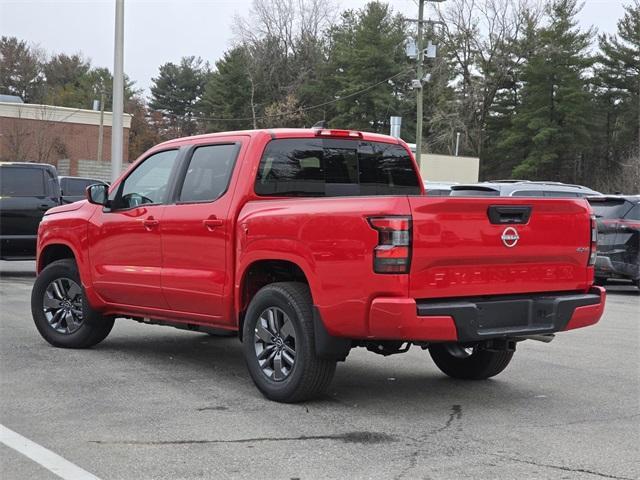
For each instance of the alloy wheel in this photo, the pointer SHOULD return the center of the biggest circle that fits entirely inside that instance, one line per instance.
(275, 344)
(62, 305)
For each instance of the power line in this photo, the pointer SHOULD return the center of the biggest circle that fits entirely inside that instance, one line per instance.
(302, 109)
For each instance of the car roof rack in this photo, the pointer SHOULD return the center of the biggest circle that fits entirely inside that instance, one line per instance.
(539, 182)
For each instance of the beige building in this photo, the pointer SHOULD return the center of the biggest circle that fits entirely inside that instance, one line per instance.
(447, 168)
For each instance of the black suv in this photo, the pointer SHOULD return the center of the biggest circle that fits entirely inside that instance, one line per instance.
(618, 220)
(521, 188)
(27, 190)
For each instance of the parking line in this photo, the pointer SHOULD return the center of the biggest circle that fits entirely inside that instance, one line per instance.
(49, 460)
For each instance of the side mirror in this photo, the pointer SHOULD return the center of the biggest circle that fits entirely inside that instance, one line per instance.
(98, 194)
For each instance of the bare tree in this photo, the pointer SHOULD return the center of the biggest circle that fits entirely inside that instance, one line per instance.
(16, 140)
(283, 40)
(33, 140)
(482, 45)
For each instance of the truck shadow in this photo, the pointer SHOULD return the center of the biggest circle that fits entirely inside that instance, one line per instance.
(364, 381)
(622, 289)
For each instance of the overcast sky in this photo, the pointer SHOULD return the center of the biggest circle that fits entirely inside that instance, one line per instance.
(160, 31)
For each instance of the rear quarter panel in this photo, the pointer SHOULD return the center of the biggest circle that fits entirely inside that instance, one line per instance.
(331, 240)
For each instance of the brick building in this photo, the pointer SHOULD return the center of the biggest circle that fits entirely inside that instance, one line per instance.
(64, 137)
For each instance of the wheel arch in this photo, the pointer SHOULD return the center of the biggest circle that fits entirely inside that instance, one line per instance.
(262, 272)
(53, 252)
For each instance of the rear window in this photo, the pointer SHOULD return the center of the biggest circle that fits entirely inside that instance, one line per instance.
(528, 193)
(22, 182)
(610, 208)
(321, 167)
(75, 186)
(437, 192)
(560, 194)
(474, 192)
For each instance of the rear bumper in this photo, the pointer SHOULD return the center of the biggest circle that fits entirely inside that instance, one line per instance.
(475, 319)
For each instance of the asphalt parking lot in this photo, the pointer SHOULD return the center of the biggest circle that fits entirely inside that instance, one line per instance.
(153, 402)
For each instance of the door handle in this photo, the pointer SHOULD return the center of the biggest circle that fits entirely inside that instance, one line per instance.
(150, 223)
(44, 207)
(212, 222)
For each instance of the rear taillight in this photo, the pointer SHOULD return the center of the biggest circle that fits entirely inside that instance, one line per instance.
(593, 250)
(393, 252)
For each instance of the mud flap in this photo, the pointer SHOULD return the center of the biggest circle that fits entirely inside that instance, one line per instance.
(328, 346)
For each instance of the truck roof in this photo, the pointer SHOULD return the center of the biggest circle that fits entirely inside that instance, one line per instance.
(27, 164)
(292, 133)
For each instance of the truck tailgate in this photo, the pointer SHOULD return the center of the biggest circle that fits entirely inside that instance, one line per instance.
(528, 245)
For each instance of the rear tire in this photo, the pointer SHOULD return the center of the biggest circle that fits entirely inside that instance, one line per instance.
(477, 365)
(279, 344)
(60, 309)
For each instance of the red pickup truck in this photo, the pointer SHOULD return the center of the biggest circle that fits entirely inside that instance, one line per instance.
(310, 242)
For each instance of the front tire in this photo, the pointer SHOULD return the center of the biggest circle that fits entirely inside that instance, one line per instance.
(60, 309)
(469, 363)
(279, 344)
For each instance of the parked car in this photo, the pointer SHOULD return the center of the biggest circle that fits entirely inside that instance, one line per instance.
(522, 188)
(307, 243)
(438, 189)
(73, 188)
(618, 218)
(27, 190)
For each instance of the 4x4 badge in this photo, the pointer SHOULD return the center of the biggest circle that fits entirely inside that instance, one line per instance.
(510, 237)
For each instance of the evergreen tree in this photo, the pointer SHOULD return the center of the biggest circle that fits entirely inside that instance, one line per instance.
(617, 112)
(71, 81)
(230, 92)
(551, 125)
(498, 160)
(20, 70)
(367, 47)
(177, 91)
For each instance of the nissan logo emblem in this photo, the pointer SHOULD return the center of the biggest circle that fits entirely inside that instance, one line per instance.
(510, 237)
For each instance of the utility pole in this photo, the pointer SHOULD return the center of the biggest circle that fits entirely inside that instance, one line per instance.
(420, 73)
(118, 93)
(419, 113)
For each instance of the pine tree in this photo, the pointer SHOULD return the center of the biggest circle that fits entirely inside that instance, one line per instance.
(229, 93)
(20, 70)
(366, 47)
(499, 157)
(551, 125)
(618, 96)
(177, 91)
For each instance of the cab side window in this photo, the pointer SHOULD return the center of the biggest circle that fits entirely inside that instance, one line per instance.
(148, 183)
(208, 173)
